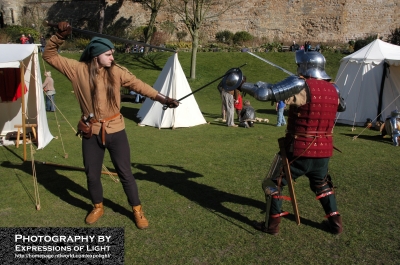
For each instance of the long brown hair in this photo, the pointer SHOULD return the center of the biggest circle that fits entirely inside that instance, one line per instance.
(93, 72)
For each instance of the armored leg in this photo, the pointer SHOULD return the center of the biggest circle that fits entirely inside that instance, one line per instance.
(325, 194)
(273, 209)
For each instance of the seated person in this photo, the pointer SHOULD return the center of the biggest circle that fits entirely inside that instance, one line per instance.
(247, 115)
(139, 98)
(395, 124)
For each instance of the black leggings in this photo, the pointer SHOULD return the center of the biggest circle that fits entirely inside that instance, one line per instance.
(93, 155)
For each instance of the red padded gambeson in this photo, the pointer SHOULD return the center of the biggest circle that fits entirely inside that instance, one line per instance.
(310, 126)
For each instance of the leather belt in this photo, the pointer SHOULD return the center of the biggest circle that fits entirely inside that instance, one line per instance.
(103, 130)
(310, 134)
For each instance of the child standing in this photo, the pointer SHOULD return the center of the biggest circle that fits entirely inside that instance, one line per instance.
(238, 105)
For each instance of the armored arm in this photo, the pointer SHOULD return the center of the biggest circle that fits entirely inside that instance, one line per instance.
(275, 92)
(342, 103)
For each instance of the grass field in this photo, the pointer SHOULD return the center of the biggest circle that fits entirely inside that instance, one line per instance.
(201, 187)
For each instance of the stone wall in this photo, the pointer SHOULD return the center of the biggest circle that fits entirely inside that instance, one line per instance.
(275, 20)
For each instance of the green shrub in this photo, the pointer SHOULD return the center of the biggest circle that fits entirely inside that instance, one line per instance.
(81, 43)
(242, 36)
(394, 37)
(181, 35)
(179, 45)
(137, 33)
(13, 33)
(224, 36)
(360, 43)
(272, 46)
(145, 29)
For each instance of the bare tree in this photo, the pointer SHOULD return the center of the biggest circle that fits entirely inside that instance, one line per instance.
(193, 14)
(102, 9)
(154, 6)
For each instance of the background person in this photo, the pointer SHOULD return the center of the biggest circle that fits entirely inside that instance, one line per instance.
(96, 80)
(280, 108)
(48, 87)
(223, 109)
(247, 115)
(238, 105)
(31, 39)
(42, 43)
(394, 122)
(24, 40)
(228, 102)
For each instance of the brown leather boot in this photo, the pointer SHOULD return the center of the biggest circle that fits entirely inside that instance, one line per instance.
(273, 226)
(335, 224)
(140, 219)
(95, 214)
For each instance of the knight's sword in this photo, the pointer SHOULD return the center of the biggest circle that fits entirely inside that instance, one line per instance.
(270, 63)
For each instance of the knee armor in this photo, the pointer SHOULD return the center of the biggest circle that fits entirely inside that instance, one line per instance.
(323, 188)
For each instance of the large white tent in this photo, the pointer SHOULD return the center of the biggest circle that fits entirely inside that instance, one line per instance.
(13, 58)
(172, 82)
(369, 81)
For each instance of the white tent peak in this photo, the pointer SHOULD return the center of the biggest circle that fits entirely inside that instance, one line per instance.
(172, 82)
(12, 56)
(375, 52)
(369, 82)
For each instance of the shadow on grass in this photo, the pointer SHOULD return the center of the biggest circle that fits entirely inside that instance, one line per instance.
(267, 111)
(375, 138)
(303, 221)
(178, 180)
(62, 187)
(130, 113)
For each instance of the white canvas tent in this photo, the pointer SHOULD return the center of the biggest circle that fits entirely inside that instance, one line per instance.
(172, 82)
(369, 81)
(23, 56)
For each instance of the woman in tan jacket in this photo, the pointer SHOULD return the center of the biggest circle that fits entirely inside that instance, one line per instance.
(96, 81)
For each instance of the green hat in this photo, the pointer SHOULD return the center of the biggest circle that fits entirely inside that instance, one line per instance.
(96, 47)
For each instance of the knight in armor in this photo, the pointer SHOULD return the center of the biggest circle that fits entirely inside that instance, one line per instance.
(313, 103)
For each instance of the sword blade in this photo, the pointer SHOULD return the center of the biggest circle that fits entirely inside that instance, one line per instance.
(270, 63)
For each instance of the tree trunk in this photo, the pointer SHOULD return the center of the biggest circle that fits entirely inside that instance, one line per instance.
(101, 15)
(195, 45)
(149, 33)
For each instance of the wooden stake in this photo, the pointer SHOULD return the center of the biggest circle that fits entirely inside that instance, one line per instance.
(288, 176)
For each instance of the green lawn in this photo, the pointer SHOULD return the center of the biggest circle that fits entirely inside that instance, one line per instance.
(201, 187)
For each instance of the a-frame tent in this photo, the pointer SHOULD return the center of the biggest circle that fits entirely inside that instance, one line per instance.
(13, 59)
(172, 82)
(369, 81)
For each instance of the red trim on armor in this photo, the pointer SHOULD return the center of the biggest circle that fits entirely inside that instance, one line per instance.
(286, 198)
(324, 194)
(279, 214)
(331, 214)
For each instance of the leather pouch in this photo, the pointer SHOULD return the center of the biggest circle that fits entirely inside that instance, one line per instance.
(84, 129)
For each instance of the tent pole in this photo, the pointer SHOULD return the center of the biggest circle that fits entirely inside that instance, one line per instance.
(22, 69)
(385, 66)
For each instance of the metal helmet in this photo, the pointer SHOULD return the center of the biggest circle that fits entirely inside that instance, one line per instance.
(311, 64)
(232, 79)
(395, 114)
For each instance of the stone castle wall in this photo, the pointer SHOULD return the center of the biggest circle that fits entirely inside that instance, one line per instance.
(275, 20)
